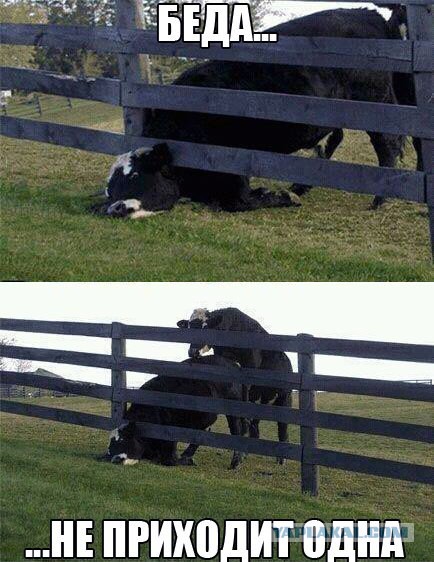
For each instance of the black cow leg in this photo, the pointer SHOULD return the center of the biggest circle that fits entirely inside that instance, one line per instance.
(254, 429)
(327, 152)
(283, 399)
(237, 196)
(236, 428)
(190, 452)
(261, 198)
(418, 148)
(387, 148)
(168, 455)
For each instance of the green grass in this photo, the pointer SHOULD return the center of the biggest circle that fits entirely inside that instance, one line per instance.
(48, 234)
(49, 470)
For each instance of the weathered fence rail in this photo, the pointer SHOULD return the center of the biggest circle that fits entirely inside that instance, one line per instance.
(131, 92)
(305, 381)
(385, 182)
(381, 117)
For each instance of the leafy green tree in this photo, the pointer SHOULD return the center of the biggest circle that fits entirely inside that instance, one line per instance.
(19, 11)
(77, 61)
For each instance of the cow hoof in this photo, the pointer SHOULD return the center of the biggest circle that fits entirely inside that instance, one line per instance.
(280, 460)
(376, 203)
(295, 199)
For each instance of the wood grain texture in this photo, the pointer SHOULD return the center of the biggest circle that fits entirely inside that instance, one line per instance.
(332, 52)
(56, 414)
(385, 182)
(105, 90)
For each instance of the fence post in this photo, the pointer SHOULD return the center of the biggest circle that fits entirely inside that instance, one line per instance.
(307, 404)
(134, 67)
(421, 28)
(119, 377)
(38, 103)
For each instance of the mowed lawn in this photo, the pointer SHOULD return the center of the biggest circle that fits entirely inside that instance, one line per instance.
(49, 235)
(49, 470)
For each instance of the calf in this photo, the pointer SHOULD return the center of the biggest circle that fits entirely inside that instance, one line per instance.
(144, 182)
(233, 319)
(128, 446)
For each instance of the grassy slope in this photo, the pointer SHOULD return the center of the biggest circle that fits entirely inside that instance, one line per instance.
(48, 234)
(49, 471)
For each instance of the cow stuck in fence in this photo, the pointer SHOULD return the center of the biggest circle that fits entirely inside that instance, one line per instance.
(233, 319)
(144, 182)
(128, 446)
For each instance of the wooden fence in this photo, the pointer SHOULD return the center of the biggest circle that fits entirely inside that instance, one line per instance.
(131, 92)
(308, 453)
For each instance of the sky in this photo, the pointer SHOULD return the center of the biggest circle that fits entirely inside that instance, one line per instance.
(372, 311)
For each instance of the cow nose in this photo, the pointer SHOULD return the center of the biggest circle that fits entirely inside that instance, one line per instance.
(117, 209)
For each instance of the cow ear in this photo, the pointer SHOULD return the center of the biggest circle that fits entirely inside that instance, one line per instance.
(182, 324)
(214, 321)
(160, 155)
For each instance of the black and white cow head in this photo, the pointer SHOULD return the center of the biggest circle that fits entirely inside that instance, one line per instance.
(140, 183)
(201, 319)
(123, 448)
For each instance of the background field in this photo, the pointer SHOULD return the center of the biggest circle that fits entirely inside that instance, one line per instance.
(49, 470)
(48, 234)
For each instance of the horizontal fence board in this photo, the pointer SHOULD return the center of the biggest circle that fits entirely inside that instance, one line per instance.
(99, 89)
(56, 327)
(224, 406)
(244, 340)
(357, 424)
(327, 112)
(283, 414)
(333, 52)
(385, 182)
(370, 387)
(213, 405)
(347, 385)
(58, 356)
(220, 440)
(56, 414)
(345, 461)
(260, 377)
(334, 459)
(370, 465)
(151, 366)
(390, 351)
(325, 346)
(103, 392)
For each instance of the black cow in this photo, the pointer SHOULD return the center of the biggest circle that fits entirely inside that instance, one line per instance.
(233, 319)
(144, 182)
(127, 446)
(403, 86)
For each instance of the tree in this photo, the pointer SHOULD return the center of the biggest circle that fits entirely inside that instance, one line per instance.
(19, 11)
(20, 365)
(78, 61)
